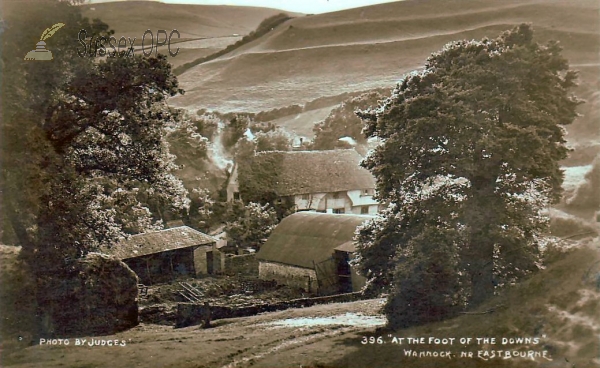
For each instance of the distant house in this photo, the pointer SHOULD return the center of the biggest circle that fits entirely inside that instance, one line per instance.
(312, 251)
(164, 255)
(325, 181)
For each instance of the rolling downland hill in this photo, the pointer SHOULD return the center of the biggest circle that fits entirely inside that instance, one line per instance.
(204, 29)
(370, 47)
(132, 18)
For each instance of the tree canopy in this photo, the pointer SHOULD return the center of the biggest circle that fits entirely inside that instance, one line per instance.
(85, 159)
(343, 122)
(468, 163)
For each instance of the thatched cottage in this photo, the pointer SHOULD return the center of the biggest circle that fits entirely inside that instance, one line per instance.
(325, 181)
(311, 251)
(164, 255)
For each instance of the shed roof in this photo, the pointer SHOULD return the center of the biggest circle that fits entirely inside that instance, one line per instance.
(160, 241)
(307, 237)
(304, 172)
(348, 246)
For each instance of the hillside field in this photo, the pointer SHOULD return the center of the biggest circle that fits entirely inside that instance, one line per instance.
(358, 49)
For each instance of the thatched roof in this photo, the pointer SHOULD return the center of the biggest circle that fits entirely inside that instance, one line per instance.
(305, 237)
(305, 172)
(160, 241)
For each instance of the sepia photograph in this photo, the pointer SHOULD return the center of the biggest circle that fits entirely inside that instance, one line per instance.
(300, 183)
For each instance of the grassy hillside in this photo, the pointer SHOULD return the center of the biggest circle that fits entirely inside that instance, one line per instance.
(560, 305)
(132, 18)
(204, 29)
(359, 49)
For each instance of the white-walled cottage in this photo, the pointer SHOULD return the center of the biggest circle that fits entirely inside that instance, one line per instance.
(325, 181)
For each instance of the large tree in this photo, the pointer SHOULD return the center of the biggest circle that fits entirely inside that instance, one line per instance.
(468, 164)
(27, 88)
(85, 159)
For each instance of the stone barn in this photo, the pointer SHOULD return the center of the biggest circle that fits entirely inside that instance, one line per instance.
(164, 255)
(311, 251)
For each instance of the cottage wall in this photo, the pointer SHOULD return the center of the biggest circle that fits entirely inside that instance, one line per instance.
(308, 202)
(304, 278)
(371, 210)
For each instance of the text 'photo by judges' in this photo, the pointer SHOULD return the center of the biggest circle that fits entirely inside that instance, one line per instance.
(300, 184)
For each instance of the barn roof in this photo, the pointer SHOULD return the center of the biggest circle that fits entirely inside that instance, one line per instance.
(160, 241)
(304, 172)
(305, 237)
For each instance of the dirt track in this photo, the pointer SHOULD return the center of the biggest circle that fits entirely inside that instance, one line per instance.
(241, 342)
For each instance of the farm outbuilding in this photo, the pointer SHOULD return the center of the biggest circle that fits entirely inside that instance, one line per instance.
(164, 255)
(311, 251)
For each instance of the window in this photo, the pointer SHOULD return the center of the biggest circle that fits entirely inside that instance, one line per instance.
(338, 210)
(364, 210)
(368, 192)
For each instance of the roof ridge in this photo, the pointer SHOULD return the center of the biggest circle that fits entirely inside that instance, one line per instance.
(170, 228)
(309, 151)
(334, 214)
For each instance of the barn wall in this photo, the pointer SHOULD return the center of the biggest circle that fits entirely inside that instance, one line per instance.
(200, 262)
(299, 277)
(138, 265)
(243, 265)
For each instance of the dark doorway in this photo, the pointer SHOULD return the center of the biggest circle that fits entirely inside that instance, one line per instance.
(209, 262)
(344, 272)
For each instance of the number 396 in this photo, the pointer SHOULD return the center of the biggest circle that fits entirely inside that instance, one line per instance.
(371, 340)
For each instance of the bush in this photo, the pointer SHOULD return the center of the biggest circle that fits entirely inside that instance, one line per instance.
(99, 297)
(253, 225)
(427, 283)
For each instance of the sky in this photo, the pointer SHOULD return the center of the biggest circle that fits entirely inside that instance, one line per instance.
(301, 6)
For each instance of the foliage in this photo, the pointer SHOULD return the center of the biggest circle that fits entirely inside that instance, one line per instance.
(427, 275)
(205, 208)
(343, 122)
(111, 146)
(26, 90)
(277, 140)
(469, 158)
(206, 124)
(234, 130)
(253, 225)
(84, 155)
(186, 139)
(97, 304)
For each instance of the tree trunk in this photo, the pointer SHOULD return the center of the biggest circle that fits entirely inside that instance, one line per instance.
(480, 255)
(18, 228)
(482, 272)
